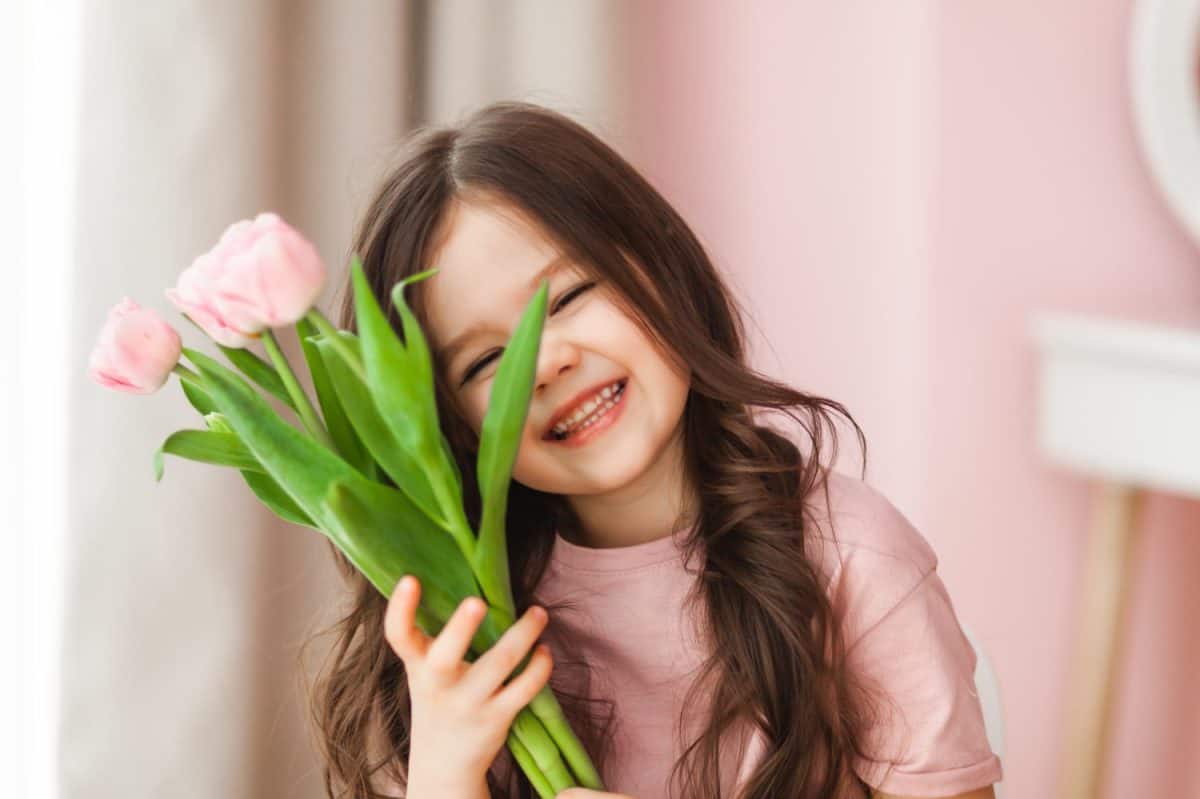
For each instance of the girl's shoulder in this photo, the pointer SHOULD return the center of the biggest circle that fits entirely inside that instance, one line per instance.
(864, 519)
(871, 556)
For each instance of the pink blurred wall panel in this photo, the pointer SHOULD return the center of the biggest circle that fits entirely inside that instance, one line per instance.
(894, 188)
(1042, 201)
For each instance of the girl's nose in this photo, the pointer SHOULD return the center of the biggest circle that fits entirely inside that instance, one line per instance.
(555, 357)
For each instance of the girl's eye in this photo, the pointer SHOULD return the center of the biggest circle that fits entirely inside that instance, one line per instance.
(482, 362)
(572, 294)
(562, 301)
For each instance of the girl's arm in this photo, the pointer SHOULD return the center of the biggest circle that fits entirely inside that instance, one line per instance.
(979, 793)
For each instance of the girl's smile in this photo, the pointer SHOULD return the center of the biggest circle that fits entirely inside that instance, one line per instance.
(608, 409)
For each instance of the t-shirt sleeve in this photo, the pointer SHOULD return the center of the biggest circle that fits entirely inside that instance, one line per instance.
(903, 636)
(931, 739)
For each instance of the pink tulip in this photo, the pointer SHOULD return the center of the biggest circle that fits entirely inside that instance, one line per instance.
(136, 350)
(261, 274)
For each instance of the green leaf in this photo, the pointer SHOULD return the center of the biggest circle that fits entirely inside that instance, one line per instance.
(348, 444)
(302, 467)
(262, 484)
(217, 421)
(392, 378)
(306, 471)
(198, 397)
(421, 364)
(252, 366)
(399, 384)
(205, 446)
(500, 439)
(409, 474)
(275, 498)
(259, 371)
(415, 345)
(403, 544)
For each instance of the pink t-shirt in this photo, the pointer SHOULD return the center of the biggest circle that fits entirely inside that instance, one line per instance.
(900, 627)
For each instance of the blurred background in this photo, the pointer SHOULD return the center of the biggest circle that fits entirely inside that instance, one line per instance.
(898, 192)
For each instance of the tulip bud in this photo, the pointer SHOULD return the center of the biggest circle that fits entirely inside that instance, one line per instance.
(136, 350)
(260, 274)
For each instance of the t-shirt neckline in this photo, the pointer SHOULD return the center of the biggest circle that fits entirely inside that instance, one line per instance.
(617, 559)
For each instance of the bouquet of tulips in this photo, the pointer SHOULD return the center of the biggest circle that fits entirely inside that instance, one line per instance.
(378, 422)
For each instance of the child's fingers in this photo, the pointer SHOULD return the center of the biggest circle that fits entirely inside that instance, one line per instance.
(524, 687)
(399, 628)
(445, 655)
(494, 666)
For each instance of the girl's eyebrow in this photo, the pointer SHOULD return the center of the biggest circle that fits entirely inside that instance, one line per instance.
(445, 354)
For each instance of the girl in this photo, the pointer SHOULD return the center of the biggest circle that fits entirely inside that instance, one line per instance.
(711, 634)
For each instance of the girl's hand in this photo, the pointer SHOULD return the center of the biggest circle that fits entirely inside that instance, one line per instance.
(461, 712)
(587, 793)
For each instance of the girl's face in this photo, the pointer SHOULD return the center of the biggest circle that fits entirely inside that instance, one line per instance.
(490, 263)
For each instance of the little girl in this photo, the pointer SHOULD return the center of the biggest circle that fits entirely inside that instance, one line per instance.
(726, 616)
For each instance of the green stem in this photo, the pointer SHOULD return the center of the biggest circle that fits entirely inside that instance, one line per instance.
(188, 375)
(545, 706)
(308, 415)
(533, 736)
(530, 767)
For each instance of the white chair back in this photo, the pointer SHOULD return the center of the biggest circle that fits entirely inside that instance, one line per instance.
(988, 688)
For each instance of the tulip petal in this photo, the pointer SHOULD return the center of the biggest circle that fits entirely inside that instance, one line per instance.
(135, 350)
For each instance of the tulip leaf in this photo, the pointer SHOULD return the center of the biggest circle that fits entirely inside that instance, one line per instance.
(500, 439)
(406, 404)
(306, 470)
(404, 544)
(218, 422)
(205, 446)
(409, 474)
(259, 371)
(302, 466)
(252, 366)
(198, 397)
(348, 444)
(415, 345)
(275, 498)
(391, 376)
(262, 484)
(421, 363)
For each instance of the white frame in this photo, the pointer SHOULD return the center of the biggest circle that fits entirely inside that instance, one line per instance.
(1164, 77)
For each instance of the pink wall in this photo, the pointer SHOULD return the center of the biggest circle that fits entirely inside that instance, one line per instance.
(894, 188)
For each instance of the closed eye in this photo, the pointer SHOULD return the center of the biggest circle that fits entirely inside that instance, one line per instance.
(564, 300)
(572, 294)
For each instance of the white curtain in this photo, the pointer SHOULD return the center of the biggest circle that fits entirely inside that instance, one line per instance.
(186, 601)
(39, 92)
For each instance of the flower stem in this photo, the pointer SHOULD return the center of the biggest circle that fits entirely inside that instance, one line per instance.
(308, 414)
(545, 706)
(188, 375)
(530, 767)
(533, 736)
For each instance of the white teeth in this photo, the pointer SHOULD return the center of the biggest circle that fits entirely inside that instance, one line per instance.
(604, 399)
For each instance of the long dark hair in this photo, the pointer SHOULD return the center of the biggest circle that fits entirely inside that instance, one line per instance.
(777, 657)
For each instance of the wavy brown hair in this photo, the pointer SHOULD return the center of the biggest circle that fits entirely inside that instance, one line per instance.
(777, 655)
